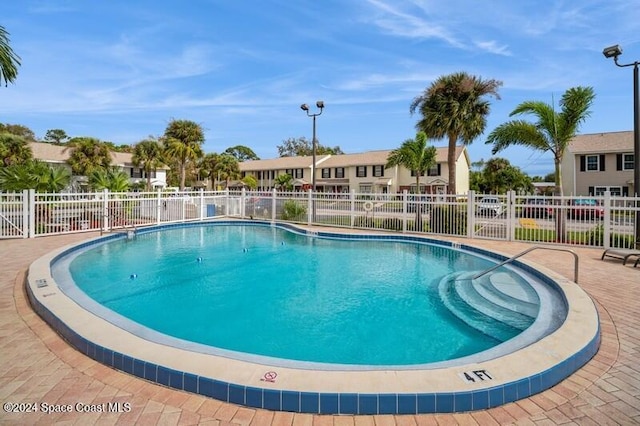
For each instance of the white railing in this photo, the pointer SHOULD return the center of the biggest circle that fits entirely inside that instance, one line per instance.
(604, 221)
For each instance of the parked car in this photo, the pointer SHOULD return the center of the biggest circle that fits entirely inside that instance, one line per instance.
(490, 206)
(585, 208)
(537, 207)
(417, 201)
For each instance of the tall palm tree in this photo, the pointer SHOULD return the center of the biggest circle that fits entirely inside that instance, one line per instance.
(454, 106)
(414, 155)
(14, 149)
(147, 154)
(227, 168)
(87, 155)
(183, 142)
(9, 61)
(552, 130)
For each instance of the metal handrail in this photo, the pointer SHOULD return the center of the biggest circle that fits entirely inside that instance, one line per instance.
(512, 258)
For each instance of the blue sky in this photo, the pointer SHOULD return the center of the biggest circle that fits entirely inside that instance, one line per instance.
(121, 70)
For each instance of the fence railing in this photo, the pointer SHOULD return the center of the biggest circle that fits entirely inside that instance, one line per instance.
(604, 221)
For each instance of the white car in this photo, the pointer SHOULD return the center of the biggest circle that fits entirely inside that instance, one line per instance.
(490, 206)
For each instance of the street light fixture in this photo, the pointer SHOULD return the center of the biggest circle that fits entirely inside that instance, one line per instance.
(305, 108)
(614, 52)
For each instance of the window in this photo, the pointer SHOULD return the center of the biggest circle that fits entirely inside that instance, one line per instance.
(593, 163)
(627, 161)
(326, 173)
(434, 170)
(339, 172)
(297, 173)
(413, 173)
(152, 174)
(289, 172)
(361, 171)
(615, 191)
(136, 173)
(365, 189)
(378, 171)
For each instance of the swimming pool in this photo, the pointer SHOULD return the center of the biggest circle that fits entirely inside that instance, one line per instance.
(294, 378)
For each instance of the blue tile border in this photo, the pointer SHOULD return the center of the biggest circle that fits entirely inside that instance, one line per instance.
(313, 402)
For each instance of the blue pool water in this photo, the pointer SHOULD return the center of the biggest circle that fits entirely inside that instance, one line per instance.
(270, 292)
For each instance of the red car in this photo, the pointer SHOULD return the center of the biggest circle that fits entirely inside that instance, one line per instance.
(585, 208)
(537, 207)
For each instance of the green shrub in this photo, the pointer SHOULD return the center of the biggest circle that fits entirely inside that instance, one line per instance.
(294, 211)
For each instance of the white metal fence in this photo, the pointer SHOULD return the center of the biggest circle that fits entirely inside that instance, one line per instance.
(604, 221)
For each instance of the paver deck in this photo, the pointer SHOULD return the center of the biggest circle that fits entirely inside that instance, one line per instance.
(37, 366)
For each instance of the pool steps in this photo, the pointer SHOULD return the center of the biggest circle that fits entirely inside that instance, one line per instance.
(494, 304)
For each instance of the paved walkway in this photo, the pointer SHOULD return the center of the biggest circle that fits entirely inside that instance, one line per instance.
(37, 366)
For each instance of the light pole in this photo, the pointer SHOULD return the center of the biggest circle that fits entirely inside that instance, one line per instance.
(314, 143)
(614, 52)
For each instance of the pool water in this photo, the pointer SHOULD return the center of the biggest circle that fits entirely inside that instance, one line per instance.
(266, 291)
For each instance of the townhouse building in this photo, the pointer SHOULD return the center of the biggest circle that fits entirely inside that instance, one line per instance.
(361, 172)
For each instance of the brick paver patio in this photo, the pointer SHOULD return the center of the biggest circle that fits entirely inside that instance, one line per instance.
(37, 366)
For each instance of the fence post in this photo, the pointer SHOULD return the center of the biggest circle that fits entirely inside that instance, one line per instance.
(405, 195)
(606, 221)
(243, 202)
(105, 210)
(471, 217)
(511, 215)
(352, 199)
(273, 204)
(29, 206)
(159, 206)
(311, 207)
(201, 204)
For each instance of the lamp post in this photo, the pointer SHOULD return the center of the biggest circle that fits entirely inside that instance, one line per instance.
(305, 108)
(614, 52)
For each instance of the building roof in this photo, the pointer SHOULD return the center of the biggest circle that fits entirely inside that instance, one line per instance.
(602, 142)
(340, 160)
(58, 154)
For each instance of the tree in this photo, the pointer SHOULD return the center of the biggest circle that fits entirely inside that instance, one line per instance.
(552, 130)
(227, 168)
(9, 61)
(415, 155)
(250, 182)
(500, 176)
(34, 174)
(111, 178)
(147, 154)
(87, 155)
(242, 153)
(302, 147)
(56, 136)
(454, 106)
(207, 168)
(283, 182)
(14, 149)
(183, 143)
(18, 130)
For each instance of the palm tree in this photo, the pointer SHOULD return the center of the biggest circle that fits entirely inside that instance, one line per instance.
(14, 149)
(207, 167)
(34, 174)
(283, 182)
(454, 107)
(112, 178)
(9, 61)
(87, 155)
(551, 132)
(227, 168)
(147, 154)
(415, 155)
(183, 142)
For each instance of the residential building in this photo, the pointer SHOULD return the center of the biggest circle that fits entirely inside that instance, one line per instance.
(58, 155)
(599, 162)
(363, 172)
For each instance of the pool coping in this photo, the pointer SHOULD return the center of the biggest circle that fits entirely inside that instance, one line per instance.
(464, 388)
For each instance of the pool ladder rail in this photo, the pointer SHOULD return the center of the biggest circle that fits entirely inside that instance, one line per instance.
(530, 249)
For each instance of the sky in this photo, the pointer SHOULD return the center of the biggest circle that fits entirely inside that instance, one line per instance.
(121, 70)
